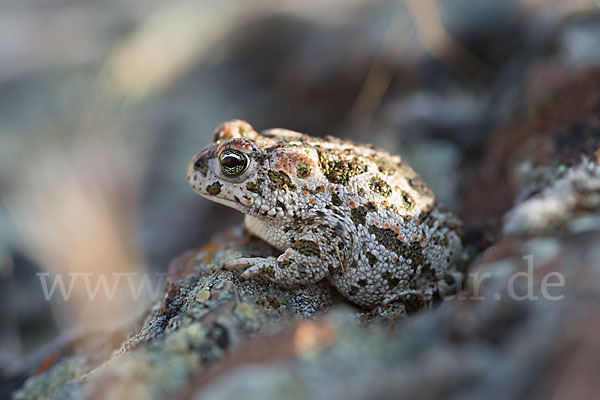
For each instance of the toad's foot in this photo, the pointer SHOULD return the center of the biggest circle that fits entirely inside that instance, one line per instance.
(283, 270)
(256, 266)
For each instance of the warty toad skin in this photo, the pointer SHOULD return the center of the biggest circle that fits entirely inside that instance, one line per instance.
(351, 213)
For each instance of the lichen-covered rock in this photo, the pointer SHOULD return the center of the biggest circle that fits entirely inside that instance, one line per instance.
(526, 325)
(492, 343)
(204, 313)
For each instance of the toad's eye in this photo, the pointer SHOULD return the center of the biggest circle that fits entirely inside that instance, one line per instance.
(233, 162)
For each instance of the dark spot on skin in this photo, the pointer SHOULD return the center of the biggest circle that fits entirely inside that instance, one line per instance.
(392, 208)
(303, 170)
(275, 147)
(393, 281)
(284, 264)
(237, 199)
(362, 282)
(214, 188)
(359, 214)
(335, 199)
(255, 187)
(380, 187)
(372, 259)
(390, 279)
(307, 248)
(201, 165)
(389, 239)
(281, 180)
(320, 213)
(281, 205)
(339, 171)
(386, 165)
(353, 290)
(331, 267)
(407, 201)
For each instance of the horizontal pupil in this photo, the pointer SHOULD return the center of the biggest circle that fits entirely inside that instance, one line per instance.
(231, 161)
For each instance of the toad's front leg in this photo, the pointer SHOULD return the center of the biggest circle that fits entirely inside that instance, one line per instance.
(300, 264)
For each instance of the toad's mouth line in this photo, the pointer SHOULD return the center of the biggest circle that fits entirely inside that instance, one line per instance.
(226, 202)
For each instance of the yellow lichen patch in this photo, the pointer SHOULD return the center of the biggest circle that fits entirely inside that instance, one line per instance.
(203, 295)
(209, 250)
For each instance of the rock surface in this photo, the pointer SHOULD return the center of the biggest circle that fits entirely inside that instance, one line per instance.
(525, 325)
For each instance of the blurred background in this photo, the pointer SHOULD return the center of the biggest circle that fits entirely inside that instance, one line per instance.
(104, 102)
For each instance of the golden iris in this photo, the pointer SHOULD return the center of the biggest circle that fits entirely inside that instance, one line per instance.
(233, 162)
